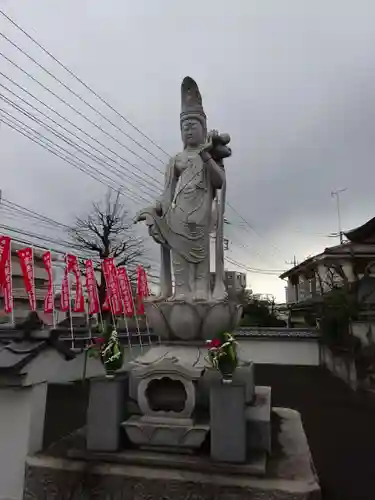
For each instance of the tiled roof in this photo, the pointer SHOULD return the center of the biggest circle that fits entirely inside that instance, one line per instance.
(362, 233)
(268, 333)
(20, 344)
(345, 249)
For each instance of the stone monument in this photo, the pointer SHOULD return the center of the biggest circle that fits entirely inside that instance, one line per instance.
(189, 210)
(170, 383)
(189, 430)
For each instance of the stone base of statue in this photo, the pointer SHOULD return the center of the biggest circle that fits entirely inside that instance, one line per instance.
(170, 385)
(68, 470)
(167, 435)
(184, 320)
(174, 399)
(164, 385)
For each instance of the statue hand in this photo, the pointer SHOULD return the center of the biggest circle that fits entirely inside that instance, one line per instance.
(142, 215)
(158, 208)
(205, 149)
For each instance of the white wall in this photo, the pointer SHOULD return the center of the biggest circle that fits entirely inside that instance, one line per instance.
(280, 351)
(275, 351)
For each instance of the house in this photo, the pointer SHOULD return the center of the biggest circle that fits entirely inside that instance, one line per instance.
(235, 282)
(353, 260)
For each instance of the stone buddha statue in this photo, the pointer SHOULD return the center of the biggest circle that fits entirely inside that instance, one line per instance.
(191, 207)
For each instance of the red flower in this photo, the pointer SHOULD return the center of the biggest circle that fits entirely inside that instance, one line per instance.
(99, 340)
(214, 344)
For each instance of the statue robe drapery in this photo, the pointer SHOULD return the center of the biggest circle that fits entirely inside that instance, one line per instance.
(186, 219)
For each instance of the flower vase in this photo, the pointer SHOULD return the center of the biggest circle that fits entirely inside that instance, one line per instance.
(109, 373)
(226, 369)
(112, 367)
(227, 379)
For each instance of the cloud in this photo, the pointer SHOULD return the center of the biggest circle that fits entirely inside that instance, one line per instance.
(290, 81)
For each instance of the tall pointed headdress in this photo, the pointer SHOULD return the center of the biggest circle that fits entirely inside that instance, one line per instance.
(191, 101)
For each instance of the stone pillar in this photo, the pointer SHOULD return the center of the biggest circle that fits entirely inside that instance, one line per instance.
(105, 414)
(228, 424)
(22, 412)
(25, 368)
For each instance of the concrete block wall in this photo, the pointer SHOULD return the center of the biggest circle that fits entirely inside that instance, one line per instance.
(340, 366)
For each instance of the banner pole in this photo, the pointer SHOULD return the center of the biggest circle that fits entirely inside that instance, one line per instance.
(124, 312)
(11, 281)
(70, 313)
(136, 319)
(53, 293)
(109, 299)
(100, 306)
(34, 306)
(146, 320)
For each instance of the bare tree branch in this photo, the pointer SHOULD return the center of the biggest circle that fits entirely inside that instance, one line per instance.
(107, 231)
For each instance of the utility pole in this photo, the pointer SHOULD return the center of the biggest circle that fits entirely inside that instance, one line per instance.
(336, 194)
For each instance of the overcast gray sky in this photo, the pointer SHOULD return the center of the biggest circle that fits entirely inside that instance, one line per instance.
(292, 81)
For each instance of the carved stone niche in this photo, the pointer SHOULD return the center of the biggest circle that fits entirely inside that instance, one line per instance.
(166, 389)
(165, 393)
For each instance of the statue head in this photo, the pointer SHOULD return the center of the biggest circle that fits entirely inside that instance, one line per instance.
(192, 132)
(192, 117)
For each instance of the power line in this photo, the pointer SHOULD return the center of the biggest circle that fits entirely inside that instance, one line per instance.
(51, 243)
(33, 214)
(27, 212)
(24, 211)
(40, 237)
(87, 104)
(126, 120)
(249, 269)
(232, 261)
(51, 150)
(22, 128)
(149, 178)
(69, 141)
(234, 241)
(10, 215)
(251, 226)
(29, 75)
(49, 246)
(67, 245)
(46, 143)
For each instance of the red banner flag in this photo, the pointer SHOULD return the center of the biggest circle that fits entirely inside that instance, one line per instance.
(92, 288)
(142, 289)
(126, 291)
(72, 266)
(4, 253)
(106, 306)
(65, 292)
(111, 279)
(49, 299)
(27, 266)
(5, 272)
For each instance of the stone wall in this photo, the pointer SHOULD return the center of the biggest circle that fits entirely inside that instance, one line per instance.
(341, 366)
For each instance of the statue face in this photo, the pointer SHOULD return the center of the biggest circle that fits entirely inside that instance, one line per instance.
(192, 132)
